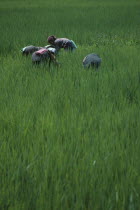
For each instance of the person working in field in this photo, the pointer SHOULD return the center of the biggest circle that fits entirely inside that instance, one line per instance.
(59, 43)
(29, 49)
(92, 60)
(44, 55)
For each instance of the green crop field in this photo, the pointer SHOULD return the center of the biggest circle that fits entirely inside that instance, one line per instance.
(70, 137)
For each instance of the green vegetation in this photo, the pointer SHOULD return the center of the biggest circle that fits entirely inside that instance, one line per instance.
(70, 138)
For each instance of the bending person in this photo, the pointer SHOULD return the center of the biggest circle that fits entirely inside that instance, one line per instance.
(44, 55)
(30, 49)
(92, 60)
(58, 43)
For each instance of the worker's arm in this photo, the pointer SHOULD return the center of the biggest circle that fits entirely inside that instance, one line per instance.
(53, 59)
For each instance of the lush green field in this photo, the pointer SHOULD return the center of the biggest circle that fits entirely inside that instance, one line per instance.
(70, 138)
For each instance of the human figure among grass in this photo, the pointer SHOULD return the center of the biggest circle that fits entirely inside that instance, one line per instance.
(44, 55)
(58, 43)
(92, 60)
(30, 49)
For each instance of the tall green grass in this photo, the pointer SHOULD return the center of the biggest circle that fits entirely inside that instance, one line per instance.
(69, 138)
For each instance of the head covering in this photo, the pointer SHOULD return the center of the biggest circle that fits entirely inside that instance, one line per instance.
(47, 46)
(51, 39)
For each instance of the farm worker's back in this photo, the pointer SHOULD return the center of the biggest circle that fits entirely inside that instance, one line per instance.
(59, 43)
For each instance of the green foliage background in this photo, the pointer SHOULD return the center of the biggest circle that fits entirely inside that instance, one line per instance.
(70, 138)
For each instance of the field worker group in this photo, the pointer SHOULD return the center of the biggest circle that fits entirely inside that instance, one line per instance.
(49, 52)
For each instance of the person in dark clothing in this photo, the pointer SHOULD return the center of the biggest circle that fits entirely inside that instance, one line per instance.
(59, 43)
(92, 60)
(30, 49)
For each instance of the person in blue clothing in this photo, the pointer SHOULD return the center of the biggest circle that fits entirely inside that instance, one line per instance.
(58, 43)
